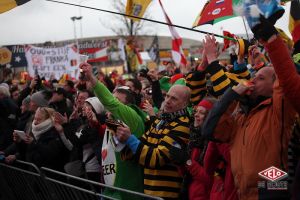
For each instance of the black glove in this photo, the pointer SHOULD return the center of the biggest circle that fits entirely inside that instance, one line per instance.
(264, 30)
(179, 156)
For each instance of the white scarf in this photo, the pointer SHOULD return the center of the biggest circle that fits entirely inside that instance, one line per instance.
(41, 128)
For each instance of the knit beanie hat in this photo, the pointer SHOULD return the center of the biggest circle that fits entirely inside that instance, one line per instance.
(165, 83)
(206, 104)
(180, 81)
(96, 104)
(175, 77)
(39, 98)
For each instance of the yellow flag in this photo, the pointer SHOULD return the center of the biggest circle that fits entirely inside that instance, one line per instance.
(6, 5)
(132, 59)
(137, 8)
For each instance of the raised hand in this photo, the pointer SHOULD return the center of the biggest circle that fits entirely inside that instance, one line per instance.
(210, 47)
(75, 114)
(59, 118)
(204, 63)
(91, 116)
(264, 30)
(58, 127)
(87, 70)
(33, 83)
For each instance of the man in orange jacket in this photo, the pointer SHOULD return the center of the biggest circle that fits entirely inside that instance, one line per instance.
(257, 127)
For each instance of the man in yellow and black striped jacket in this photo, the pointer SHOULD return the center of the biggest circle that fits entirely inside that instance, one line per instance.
(152, 150)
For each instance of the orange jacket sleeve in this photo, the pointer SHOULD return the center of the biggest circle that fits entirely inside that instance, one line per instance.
(285, 69)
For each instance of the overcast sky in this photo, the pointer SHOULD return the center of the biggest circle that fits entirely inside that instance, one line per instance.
(39, 20)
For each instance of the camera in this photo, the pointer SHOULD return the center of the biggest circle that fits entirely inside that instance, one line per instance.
(113, 124)
(38, 82)
(149, 92)
(82, 75)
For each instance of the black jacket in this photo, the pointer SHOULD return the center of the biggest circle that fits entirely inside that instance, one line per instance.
(8, 120)
(49, 151)
(80, 134)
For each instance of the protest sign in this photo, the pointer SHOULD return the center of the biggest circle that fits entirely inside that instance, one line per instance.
(52, 62)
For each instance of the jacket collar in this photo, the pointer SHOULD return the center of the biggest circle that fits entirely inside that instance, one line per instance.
(248, 105)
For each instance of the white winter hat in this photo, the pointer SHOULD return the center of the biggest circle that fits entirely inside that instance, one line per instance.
(96, 104)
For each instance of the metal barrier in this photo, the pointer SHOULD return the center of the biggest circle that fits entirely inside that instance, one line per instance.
(25, 181)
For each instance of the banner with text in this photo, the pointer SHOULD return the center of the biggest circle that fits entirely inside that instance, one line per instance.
(52, 62)
(12, 56)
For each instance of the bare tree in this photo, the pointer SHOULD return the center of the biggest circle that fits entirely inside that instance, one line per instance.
(124, 26)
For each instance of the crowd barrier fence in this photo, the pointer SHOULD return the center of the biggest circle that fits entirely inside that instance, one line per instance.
(25, 181)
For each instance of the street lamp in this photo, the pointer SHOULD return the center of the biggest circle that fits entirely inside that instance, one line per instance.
(74, 18)
(80, 2)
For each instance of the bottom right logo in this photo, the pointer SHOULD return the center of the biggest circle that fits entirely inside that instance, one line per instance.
(274, 178)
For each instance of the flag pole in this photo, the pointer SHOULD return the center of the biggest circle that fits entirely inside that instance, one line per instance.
(245, 28)
(146, 19)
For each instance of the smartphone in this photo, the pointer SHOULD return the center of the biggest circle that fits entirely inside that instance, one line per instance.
(21, 134)
(82, 75)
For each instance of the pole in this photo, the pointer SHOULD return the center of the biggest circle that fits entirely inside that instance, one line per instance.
(150, 20)
(246, 28)
(74, 27)
(74, 18)
(75, 34)
(80, 22)
(131, 28)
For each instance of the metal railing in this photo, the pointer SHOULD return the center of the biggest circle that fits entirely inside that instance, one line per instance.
(25, 181)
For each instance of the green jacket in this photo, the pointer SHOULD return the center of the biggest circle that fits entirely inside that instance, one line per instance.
(123, 174)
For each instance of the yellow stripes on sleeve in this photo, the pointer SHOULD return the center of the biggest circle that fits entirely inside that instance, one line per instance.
(217, 75)
(221, 85)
